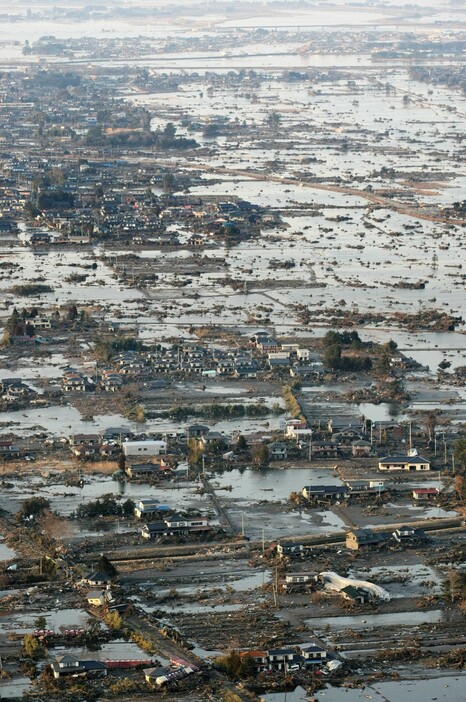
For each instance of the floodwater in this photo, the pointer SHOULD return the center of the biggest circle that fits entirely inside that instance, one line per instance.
(6, 553)
(237, 582)
(402, 581)
(271, 484)
(116, 650)
(16, 687)
(312, 17)
(362, 621)
(65, 500)
(56, 618)
(446, 688)
(61, 421)
(259, 518)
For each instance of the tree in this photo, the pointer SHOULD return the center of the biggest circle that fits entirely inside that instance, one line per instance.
(460, 455)
(460, 487)
(94, 628)
(104, 565)
(332, 356)
(128, 507)
(210, 130)
(456, 585)
(14, 325)
(40, 623)
(32, 648)
(114, 620)
(195, 452)
(237, 666)
(430, 422)
(72, 313)
(241, 444)
(231, 664)
(248, 667)
(32, 508)
(391, 345)
(169, 183)
(261, 455)
(170, 130)
(273, 120)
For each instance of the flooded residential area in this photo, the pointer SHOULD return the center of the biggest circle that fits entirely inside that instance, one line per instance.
(233, 351)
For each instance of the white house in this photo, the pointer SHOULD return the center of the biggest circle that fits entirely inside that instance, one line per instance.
(144, 448)
(303, 354)
(406, 463)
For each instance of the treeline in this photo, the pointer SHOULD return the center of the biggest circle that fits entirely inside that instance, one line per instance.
(54, 79)
(216, 411)
(135, 138)
(30, 289)
(291, 403)
(105, 348)
(335, 342)
(50, 200)
(106, 506)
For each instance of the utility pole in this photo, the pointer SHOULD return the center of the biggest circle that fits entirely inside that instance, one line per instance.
(410, 436)
(453, 462)
(263, 540)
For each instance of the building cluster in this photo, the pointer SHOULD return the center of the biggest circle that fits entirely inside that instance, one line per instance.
(187, 359)
(162, 520)
(360, 539)
(14, 391)
(289, 658)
